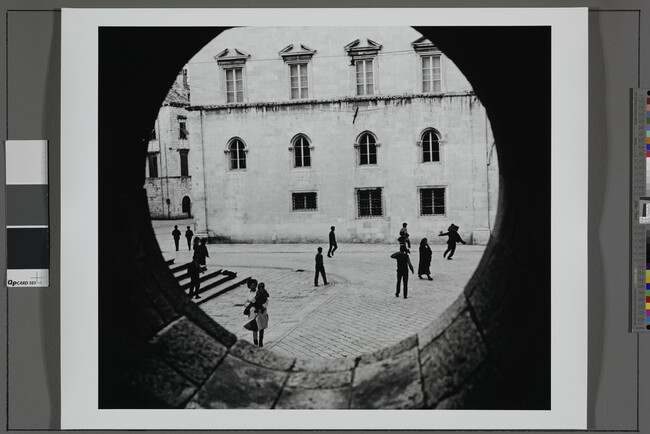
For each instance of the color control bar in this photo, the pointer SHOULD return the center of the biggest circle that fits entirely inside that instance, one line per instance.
(640, 309)
(26, 212)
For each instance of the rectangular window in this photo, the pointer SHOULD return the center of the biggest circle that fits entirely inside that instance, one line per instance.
(299, 81)
(304, 201)
(184, 166)
(365, 77)
(432, 201)
(431, 74)
(182, 129)
(369, 202)
(152, 159)
(234, 85)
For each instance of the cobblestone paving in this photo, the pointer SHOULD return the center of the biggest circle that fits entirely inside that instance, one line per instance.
(356, 314)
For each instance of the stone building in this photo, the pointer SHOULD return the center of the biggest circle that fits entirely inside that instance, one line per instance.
(297, 129)
(167, 176)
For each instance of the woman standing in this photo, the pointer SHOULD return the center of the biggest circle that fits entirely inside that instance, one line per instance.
(248, 310)
(425, 259)
(262, 317)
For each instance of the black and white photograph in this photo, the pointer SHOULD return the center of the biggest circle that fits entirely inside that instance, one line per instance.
(328, 217)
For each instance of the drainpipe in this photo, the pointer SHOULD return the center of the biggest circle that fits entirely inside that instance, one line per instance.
(205, 191)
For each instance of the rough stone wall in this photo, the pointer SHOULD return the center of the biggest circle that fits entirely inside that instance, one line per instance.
(254, 205)
(169, 185)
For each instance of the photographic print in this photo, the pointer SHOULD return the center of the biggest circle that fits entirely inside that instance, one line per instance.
(301, 216)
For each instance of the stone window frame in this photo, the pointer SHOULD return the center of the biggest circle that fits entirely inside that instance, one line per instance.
(182, 128)
(359, 53)
(445, 189)
(184, 153)
(357, 192)
(420, 144)
(153, 168)
(228, 155)
(230, 60)
(358, 146)
(304, 210)
(424, 48)
(294, 55)
(292, 150)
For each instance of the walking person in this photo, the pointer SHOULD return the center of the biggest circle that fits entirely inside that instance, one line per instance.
(195, 281)
(454, 238)
(177, 236)
(189, 234)
(403, 266)
(320, 268)
(425, 259)
(333, 245)
(196, 247)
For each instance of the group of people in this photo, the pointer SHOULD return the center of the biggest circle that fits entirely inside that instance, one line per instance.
(424, 267)
(176, 234)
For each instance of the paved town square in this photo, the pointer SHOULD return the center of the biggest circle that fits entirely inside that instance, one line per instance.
(355, 314)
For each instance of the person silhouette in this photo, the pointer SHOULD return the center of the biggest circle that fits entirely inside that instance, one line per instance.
(320, 267)
(189, 234)
(177, 236)
(454, 238)
(403, 266)
(333, 245)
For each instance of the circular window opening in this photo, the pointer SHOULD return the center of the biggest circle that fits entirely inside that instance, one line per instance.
(469, 323)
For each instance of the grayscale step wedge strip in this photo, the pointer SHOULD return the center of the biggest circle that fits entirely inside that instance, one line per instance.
(216, 292)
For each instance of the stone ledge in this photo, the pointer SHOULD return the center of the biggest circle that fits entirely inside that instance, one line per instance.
(293, 398)
(450, 359)
(393, 383)
(259, 356)
(431, 332)
(188, 348)
(239, 384)
(388, 352)
(342, 364)
(319, 380)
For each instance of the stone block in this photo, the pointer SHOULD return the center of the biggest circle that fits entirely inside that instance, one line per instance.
(190, 349)
(319, 380)
(392, 383)
(449, 360)
(478, 393)
(239, 384)
(341, 364)
(314, 398)
(440, 324)
(259, 356)
(393, 350)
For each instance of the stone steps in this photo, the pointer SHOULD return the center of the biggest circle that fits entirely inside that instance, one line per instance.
(213, 284)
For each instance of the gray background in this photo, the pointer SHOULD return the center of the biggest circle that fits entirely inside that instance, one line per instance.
(619, 59)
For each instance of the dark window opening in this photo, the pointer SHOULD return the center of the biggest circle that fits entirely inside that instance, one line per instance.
(237, 155)
(432, 201)
(430, 147)
(304, 201)
(367, 150)
(370, 202)
(152, 159)
(302, 153)
(184, 165)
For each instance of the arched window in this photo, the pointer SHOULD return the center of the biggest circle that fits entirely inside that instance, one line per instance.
(430, 146)
(237, 151)
(301, 152)
(367, 145)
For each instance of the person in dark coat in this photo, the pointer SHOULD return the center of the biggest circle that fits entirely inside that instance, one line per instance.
(425, 259)
(195, 281)
(189, 234)
(201, 250)
(177, 236)
(196, 247)
(333, 245)
(454, 238)
(403, 266)
(320, 268)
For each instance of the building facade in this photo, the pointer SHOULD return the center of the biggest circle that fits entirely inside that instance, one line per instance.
(297, 129)
(167, 177)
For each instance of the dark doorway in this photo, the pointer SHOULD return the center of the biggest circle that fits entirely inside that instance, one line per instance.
(187, 206)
